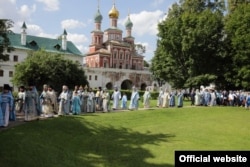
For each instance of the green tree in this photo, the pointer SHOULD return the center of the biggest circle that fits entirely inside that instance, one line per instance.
(189, 51)
(41, 67)
(5, 45)
(238, 33)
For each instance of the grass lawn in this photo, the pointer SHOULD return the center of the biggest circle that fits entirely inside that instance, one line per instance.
(144, 138)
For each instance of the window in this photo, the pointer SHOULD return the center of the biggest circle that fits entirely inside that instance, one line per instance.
(90, 77)
(96, 77)
(10, 73)
(1, 73)
(15, 58)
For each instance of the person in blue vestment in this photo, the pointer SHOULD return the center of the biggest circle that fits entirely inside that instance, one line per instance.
(7, 104)
(1, 114)
(12, 116)
(134, 99)
(31, 104)
(172, 99)
(179, 98)
(124, 101)
(76, 104)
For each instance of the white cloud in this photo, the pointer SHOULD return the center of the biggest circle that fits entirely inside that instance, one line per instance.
(145, 22)
(77, 38)
(83, 49)
(50, 5)
(25, 11)
(72, 24)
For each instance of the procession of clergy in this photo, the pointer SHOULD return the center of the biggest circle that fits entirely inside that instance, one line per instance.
(48, 104)
(84, 100)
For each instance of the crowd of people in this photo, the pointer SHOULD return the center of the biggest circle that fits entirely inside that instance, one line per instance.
(85, 100)
(204, 97)
(50, 104)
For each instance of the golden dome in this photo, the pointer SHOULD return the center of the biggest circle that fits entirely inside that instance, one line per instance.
(113, 13)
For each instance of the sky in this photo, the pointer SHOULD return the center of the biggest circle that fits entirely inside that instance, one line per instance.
(48, 18)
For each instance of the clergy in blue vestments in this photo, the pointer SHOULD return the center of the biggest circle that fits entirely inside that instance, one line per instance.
(172, 99)
(116, 96)
(1, 114)
(6, 104)
(91, 101)
(12, 116)
(31, 104)
(179, 98)
(134, 99)
(124, 101)
(76, 104)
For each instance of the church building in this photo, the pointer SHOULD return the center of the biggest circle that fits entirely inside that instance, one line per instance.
(112, 59)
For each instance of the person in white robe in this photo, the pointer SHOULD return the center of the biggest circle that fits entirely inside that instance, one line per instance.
(134, 100)
(53, 98)
(105, 100)
(20, 99)
(46, 101)
(116, 96)
(146, 98)
(197, 98)
(160, 97)
(91, 108)
(64, 104)
(166, 98)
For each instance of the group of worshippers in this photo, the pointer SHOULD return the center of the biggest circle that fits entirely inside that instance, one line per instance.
(206, 96)
(27, 101)
(167, 99)
(117, 97)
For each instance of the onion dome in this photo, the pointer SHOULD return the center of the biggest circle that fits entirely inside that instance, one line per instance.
(128, 23)
(98, 17)
(113, 13)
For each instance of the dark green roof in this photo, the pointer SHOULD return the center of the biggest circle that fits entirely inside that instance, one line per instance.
(129, 23)
(24, 25)
(48, 44)
(98, 17)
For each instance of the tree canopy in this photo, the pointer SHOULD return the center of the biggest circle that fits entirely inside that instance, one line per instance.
(194, 48)
(5, 45)
(41, 67)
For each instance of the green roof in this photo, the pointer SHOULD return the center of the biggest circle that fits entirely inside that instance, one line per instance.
(48, 44)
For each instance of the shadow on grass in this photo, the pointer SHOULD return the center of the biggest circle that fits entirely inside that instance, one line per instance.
(73, 142)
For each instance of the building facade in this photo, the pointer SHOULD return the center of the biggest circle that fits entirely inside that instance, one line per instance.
(112, 59)
(22, 43)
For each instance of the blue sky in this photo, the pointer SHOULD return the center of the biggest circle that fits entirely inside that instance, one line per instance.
(48, 18)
